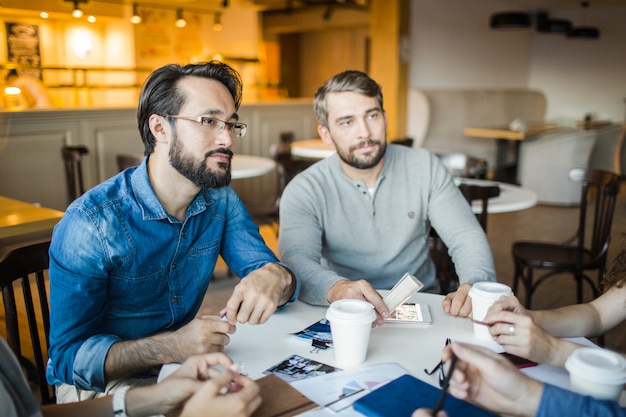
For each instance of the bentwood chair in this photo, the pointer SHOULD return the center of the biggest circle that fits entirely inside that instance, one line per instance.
(265, 212)
(73, 159)
(127, 160)
(446, 275)
(575, 256)
(24, 267)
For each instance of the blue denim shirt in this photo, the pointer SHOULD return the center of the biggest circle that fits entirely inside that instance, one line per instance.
(122, 268)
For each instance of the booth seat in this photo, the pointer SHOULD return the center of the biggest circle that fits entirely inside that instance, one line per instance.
(546, 160)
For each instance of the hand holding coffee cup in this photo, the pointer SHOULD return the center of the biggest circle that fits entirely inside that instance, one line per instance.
(483, 295)
(350, 326)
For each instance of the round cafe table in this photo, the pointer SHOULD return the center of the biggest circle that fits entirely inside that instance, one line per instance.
(414, 347)
(511, 198)
(312, 148)
(248, 166)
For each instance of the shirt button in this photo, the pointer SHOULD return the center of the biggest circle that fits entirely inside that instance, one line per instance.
(175, 300)
(174, 266)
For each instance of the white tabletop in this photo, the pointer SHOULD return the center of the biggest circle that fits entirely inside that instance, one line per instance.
(247, 166)
(313, 148)
(511, 198)
(414, 347)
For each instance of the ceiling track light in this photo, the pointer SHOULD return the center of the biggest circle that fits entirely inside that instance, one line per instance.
(217, 22)
(135, 19)
(77, 12)
(180, 20)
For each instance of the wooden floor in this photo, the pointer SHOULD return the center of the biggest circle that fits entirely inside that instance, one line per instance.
(537, 223)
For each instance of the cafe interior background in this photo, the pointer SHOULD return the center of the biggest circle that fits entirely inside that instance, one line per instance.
(284, 50)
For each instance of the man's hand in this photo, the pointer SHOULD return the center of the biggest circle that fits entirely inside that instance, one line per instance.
(258, 294)
(458, 303)
(198, 388)
(359, 290)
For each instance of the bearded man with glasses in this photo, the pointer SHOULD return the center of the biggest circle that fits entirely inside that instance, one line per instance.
(131, 260)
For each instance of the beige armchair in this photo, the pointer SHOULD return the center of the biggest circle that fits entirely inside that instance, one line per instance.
(546, 160)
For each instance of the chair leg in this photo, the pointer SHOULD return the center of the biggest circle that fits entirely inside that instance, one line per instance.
(528, 283)
(579, 287)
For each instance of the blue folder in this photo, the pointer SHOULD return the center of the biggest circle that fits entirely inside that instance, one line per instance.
(402, 396)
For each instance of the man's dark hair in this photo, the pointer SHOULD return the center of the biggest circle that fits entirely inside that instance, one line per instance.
(160, 93)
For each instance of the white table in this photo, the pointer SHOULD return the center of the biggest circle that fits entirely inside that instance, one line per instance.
(312, 148)
(248, 166)
(413, 347)
(511, 198)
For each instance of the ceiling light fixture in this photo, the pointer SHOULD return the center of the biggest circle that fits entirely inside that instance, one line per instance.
(91, 19)
(217, 22)
(180, 20)
(77, 12)
(509, 21)
(584, 32)
(135, 19)
(44, 15)
(547, 25)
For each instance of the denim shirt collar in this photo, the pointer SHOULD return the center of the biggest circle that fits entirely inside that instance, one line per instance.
(151, 207)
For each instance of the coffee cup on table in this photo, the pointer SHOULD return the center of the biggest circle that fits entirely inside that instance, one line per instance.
(483, 295)
(350, 327)
(597, 372)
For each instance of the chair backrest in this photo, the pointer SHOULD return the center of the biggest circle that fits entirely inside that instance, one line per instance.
(606, 185)
(127, 160)
(464, 166)
(281, 153)
(16, 268)
(473, 192)
(408, 142)
(73, 156)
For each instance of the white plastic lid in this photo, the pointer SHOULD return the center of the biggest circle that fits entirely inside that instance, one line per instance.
(598, 365)
(490, 290)
(351, 310)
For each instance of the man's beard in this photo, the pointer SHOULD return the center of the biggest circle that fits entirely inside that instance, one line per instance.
(363, 161)
(198, 172)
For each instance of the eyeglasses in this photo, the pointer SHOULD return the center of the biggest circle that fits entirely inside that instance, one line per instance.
(439, 367)
(236, 130)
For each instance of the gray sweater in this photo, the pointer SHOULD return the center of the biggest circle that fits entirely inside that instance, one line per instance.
(332, 228)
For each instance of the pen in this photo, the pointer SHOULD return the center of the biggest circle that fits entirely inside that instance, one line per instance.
(446, 385)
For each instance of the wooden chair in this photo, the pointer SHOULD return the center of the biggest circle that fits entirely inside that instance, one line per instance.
(281, 153)
(265, 212)
(408, 142)
(127, 160)
(16, 268)
(444, 267)
(73, 158)
(599, 193)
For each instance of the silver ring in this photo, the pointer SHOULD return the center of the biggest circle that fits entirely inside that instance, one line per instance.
(512, 330)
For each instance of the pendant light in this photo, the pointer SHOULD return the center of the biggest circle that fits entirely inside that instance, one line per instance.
(584, 32)
(509, 21)
(545, 24)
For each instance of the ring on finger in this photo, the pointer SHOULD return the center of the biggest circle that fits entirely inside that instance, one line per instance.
(512, 330)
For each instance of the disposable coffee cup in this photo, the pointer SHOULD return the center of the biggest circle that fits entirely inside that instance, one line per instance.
(597, 372)
(350, 327)
(483, 295)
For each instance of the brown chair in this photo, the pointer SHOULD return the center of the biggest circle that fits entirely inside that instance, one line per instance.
(408, 142)
(73, 159)
(127, 160)
(265, 212)
(444, 267)
(599, 193)
(16, 268)
(281, 152)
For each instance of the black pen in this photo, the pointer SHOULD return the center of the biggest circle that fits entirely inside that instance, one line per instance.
(446, 385)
